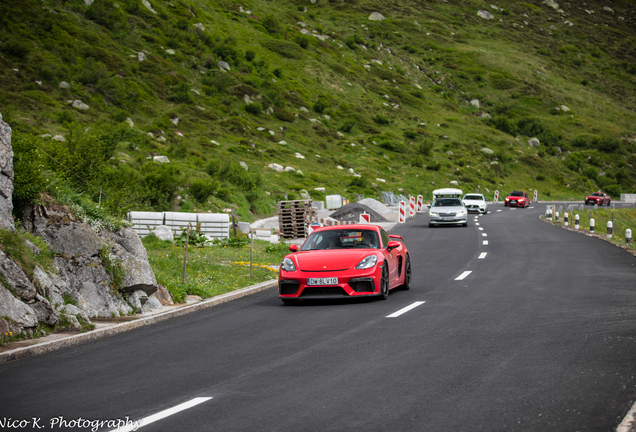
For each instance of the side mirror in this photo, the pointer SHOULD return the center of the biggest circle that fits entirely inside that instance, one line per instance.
(293, 248)
(392, 245)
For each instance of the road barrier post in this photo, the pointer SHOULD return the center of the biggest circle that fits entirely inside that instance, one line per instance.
(565, 219)
(402, 212)
(576, 221)
(556, 217)
(412, 206)
(420, 203)
(628, 236)
(592, 225)
(535, 196)
(610, 229)
(496, 200)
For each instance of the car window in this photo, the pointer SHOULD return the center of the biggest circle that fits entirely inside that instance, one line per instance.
(517, 194)
(342, 239)
(385, 238)
(474, 197)
(446, 202)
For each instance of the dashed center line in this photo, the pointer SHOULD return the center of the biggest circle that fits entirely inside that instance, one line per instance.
(482, 255)
(484, 235)
(476, 224)
(406, 309)
(481, 229)
(134, 425)
(485, 242)
(499, 210)
(463, 275)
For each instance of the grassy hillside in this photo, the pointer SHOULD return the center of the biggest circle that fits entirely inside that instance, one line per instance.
(388, 99)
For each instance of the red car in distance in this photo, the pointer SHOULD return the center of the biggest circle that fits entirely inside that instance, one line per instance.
(345, 261)
(517, 199)
(598, 198)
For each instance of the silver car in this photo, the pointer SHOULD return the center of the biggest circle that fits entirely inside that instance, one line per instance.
(447, 211)
(475, 203)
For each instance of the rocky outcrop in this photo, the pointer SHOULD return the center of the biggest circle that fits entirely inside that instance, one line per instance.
(6, 176)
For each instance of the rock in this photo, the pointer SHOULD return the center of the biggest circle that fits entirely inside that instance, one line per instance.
(487, 150)
(244, 165)
(170, 51)
(44, 311)
(199, 26)
(454, 182)
(72, 320)
(127, 248)
(149, 6)
(534, 142)
(64, 85)
(51, 285)
(299, 156)
(137, 299)
(289, 169)
(80, 105)
(163, 295)
(59, 138)
(18, 282)
(97, 301)
(475, 103)
(608, 9)
(376, 16)
(161, 159)
(551, 3)
(6, 177)
(70, 309)
(19, 315)
(150, 305)
(164, 233)
(130, 123)
(175, 121)
(224, 66)
(485, 14)
(275, 167)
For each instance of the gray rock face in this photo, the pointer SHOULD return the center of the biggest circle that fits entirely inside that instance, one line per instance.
(98, 302)
(18, 282)
(151, 304)
(128, 248)
(20, 315)
(6, 177)
(137, 299)
(70, 309)
(162, 232)
(44, 311)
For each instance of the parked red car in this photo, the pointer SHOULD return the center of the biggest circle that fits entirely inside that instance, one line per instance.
(345, 261)
(517, 199)
(597, 198)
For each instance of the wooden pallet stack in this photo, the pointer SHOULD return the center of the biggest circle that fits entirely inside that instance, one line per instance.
(291, 218)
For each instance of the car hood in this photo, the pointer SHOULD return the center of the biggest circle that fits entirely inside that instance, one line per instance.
(452, 209)
(473, 202)
(330, 260)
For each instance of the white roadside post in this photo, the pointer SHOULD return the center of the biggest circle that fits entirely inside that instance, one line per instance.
(565, 219)
(628, 236)
(610, 229)
(556, 216)
(592, 222)
(576, 221)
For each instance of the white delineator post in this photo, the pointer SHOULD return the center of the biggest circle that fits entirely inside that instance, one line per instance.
(565, 219)
(420, 203)
(592, 223)
(412, 206)
(496, 200)
(628, 236)
(402, 212)
(576, 221)
(610, 229)
(556, 216)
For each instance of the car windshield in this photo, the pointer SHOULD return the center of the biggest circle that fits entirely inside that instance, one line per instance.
(447, 202)
(516, 193)
(342, 239)
(474, 198)
(597, 194)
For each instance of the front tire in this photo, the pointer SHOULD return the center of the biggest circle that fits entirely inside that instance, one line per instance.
(384, 283)
(407, 274)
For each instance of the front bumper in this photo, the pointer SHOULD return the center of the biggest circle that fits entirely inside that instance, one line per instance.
(514, 204)
(448, 220)
(361, 283)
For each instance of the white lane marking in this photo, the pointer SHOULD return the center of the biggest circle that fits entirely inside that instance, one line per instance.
(626, 424)
(531, 207)
(499, 210)
(476, 224)
(484, 235)
(481, 229)
(405, 310)
(134, 425)
(463, 275)
(512, 209)
(485, 242)
(482, 255)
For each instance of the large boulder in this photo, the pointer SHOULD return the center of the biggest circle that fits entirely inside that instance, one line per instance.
(18, 282)
(128, 248)
(6, 177)
(15, 314)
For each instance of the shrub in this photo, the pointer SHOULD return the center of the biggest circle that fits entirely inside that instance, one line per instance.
(250, 55)
(253, 108)
(283, 114)
(17, 49)
(347, 126)
(303, 41)
(28, 179)
(320, 105)
(434, 166)
(201, 189)
(425, 148)
(284, 48)
(160, 182)
(271, 23)
(381, 120)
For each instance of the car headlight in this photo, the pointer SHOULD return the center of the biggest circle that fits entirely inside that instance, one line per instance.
(288, 265)
(368, 262)
(461, 213)
(432, 214)
(507, 199)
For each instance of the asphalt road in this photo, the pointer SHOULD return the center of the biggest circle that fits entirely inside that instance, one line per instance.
(539, 336)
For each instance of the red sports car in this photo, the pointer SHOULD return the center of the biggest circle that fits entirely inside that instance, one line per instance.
(517, 199)
(345, 261)
(598, 198)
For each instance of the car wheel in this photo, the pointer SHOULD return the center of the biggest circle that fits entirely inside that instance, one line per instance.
(465, 224)
(407, 274)
(609, 202)
(431, 225)
(384, 283)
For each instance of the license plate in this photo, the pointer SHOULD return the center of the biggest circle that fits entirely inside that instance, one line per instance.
(513, 202)
(322, 281)
(448, 219)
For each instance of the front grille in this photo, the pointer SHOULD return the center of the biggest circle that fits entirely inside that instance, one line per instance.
(362, 285)
(288, 287)
(320, 291)
(447, 214)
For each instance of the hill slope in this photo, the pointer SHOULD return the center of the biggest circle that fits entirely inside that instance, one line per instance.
(431, 93)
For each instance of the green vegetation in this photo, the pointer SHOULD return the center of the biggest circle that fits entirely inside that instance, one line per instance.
(113, 266)
(212, 270)
(15, 245)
